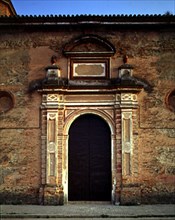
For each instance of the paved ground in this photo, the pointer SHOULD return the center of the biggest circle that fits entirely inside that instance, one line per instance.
(88, 211)
(100, 218)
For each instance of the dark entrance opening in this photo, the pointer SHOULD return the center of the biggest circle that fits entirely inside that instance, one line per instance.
(89, 159)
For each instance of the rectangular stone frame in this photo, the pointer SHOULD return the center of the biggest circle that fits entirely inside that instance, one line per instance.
(90, 67)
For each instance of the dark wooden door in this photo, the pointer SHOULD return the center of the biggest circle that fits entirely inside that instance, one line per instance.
(89, 162)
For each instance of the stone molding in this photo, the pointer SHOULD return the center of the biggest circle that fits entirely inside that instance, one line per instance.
(58, 111)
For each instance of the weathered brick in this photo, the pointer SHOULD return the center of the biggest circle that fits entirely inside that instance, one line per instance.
(23, 129)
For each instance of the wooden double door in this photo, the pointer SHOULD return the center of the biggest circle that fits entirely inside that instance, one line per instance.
(89, 159)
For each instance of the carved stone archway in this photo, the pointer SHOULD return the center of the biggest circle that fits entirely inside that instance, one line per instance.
(118, 107)
(90, 88)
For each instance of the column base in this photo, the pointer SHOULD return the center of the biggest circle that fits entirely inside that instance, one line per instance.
(130, 195)
(51, 195)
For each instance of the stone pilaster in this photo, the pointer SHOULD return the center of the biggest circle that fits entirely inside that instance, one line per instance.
(130, 192)
(51, 190)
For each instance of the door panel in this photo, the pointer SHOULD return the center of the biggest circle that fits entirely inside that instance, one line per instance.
(89, 159)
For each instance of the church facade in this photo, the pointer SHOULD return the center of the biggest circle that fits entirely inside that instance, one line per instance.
(87, 109)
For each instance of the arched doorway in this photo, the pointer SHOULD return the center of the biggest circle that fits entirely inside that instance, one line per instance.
(89, 159)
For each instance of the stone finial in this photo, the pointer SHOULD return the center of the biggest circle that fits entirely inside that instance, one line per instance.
(53, 72)
(125, 59)
(126, 69)
(54, 60)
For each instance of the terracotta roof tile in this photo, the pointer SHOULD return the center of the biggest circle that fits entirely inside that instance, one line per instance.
(93, 19)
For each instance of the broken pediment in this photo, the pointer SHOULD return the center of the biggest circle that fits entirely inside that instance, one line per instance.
(89, 45)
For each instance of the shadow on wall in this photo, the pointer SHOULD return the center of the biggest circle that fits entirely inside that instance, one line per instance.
(32, 197)
(124, 81)
(19, 197)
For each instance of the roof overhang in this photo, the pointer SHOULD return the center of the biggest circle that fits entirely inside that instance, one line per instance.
(90, 20)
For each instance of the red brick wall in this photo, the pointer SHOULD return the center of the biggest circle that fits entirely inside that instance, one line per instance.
(23, 57)
(4, 9)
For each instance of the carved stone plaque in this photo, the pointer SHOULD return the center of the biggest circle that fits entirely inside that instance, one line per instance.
(89, 69)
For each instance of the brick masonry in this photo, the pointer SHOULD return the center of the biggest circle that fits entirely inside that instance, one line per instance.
(25, 53)
(6, 8)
